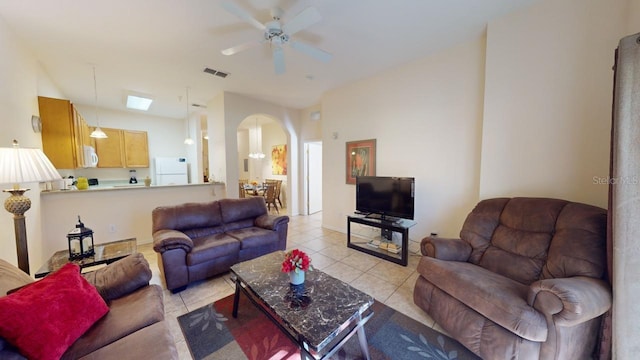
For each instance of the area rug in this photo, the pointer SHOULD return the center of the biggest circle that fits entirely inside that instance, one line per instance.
(211, 332)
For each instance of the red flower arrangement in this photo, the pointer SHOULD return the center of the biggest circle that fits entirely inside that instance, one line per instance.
(296, 260)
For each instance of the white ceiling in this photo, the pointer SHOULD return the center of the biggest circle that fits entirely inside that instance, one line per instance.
(159, 47)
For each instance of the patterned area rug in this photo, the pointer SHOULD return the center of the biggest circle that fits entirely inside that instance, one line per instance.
(212, 333)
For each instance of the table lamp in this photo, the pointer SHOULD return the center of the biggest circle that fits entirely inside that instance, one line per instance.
(21, 165)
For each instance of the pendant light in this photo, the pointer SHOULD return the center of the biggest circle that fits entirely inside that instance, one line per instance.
(188, 140)
(258, 154)
(97, 133)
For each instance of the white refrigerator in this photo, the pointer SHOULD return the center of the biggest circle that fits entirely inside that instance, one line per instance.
(171, 171)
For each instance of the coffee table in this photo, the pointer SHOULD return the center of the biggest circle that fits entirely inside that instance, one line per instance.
(320, 315)
(105, 253)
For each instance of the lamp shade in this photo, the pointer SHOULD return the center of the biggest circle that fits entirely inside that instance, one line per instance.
(22, 165)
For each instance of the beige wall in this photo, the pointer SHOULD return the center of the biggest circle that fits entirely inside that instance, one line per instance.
(426, 117)
(20, 79)
(547, 109)
(226, 112)
(106, 210)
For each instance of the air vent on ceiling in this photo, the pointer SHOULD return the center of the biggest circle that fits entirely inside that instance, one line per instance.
(216, 72)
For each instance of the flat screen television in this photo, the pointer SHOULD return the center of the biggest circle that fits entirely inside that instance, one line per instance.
(385, 196)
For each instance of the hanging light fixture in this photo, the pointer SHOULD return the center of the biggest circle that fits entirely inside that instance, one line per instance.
(188, 140)
(258, 154)
(97, 133)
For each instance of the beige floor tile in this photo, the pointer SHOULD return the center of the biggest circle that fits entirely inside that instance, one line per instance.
(183, 350)
(321, 262)
(318, 244)
(402, 301)
(361, 261)
(374, 286)
(336, 252)
(393, 273)
(343, 272)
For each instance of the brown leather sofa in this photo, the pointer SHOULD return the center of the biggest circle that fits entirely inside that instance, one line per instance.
(134, 327)
(524, 281)
(195, 241)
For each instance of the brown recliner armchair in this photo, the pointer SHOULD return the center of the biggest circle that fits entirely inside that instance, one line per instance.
(524, 281)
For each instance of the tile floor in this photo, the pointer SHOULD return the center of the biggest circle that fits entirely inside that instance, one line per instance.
(389, 283)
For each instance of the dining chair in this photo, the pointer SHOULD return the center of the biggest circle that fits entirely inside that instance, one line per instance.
(278, 187)
(241, 191)
(270, 196)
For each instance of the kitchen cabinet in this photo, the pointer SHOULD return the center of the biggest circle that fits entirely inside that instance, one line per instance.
(62, 140)
(136, 148)
(83, 128)
(110, 151)
(123, 149)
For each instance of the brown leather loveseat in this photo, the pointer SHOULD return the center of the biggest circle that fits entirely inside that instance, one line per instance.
(524, 281)
(195, 241)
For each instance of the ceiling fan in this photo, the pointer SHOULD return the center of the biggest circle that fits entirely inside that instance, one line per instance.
(278, 34)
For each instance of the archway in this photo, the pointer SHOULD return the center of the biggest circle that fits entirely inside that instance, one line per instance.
(263, 151)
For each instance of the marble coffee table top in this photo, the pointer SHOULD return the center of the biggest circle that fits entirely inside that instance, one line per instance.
(317, 312)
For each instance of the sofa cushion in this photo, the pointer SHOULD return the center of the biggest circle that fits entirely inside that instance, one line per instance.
(211, 247)
(121, 277)
(137, 345)
(240, 209)
(127, 315)
(254, 237)
(499, 298)
(186, 216)
(12, 277)
(579, 245)
(44, 318)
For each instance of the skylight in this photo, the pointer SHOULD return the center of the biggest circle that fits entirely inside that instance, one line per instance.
(138, 103)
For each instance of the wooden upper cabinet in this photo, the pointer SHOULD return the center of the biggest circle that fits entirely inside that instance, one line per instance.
(136, 148)
(60, 136)
(122, 149)
(110, 150)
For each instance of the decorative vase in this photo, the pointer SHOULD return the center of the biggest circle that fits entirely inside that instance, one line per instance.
(296, 277)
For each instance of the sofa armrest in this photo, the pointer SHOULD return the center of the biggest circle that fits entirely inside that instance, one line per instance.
(570, 301)
(164, 240)
(121, 277)
(271, 222)
(445, 249)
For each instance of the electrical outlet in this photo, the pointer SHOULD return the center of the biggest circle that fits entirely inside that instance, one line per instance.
(112, 228)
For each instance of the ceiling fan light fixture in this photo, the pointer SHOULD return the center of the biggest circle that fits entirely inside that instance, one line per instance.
(278, 34)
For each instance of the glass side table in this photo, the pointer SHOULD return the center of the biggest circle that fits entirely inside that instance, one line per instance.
(105, 253)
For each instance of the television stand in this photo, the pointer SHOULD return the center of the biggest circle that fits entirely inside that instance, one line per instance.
(385, 218)
(381, 248)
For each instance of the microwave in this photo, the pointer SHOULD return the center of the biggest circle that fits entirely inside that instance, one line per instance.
(90, 157)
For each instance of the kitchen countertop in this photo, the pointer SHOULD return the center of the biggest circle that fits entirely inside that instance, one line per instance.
(123, 186)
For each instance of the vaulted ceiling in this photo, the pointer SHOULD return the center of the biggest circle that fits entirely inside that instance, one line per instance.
(160, 47)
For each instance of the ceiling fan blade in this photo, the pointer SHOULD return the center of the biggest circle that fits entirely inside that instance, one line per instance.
(303, 20)
(242, 47)
(242, 14)
(278, 60)
(312, 51)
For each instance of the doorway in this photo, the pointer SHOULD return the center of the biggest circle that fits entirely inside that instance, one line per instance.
(313, 178)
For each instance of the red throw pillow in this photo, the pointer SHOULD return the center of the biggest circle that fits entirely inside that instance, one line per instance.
(43, 319)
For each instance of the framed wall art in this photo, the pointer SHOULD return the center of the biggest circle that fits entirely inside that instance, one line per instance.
(361, 159)
(279, 160)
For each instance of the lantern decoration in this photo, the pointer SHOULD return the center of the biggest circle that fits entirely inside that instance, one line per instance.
(80, 242)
